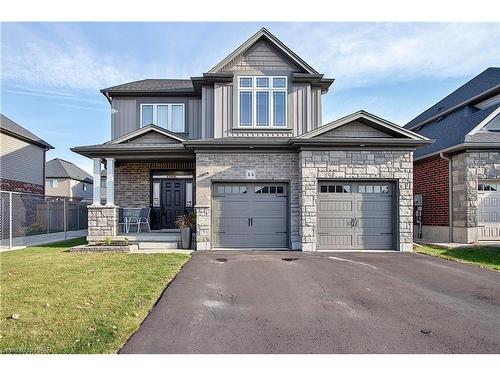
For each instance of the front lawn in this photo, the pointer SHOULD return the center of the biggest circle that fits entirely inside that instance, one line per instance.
(66, 302)
(482, 256)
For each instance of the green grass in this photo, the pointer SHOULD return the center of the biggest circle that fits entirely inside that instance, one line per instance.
(482, 256)
(77, 302)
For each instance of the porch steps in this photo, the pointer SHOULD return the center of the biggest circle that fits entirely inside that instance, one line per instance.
(164, 245)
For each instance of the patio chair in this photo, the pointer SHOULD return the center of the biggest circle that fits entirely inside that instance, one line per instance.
(144, 218)
(133, 215)
(122, 220)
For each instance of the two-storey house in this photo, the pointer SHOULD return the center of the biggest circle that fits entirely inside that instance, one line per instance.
(244, 147)
(22, 158)
(64, 179)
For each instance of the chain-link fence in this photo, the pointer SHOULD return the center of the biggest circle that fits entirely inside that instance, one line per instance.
(25, 218)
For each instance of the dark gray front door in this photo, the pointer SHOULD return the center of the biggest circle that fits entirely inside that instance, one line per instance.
(250, 215)
(355, 215)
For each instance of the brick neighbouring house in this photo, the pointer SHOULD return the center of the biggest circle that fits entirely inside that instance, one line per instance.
(461, 169)
(22, 159)
(245, 148)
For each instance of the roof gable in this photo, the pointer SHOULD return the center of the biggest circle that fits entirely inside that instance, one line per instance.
(149, 135)
(59, 168)
(14, 129)
(262, 56)
(361, 124)
(258, 46)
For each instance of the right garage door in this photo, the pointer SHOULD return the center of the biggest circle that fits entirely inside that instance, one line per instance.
(488, 210)
(355, 215)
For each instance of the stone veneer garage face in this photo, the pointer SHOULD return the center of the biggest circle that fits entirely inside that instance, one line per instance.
(217, 167)
(303, 171)
(394, 166)
(467, 169)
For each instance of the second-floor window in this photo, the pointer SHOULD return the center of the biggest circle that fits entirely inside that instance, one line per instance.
(167, 115)
(262, 101)
(52, 183)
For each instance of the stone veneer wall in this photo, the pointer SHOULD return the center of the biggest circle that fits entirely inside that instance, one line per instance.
(103, 222)
(468, 168)
(393, 165)
(213, 167)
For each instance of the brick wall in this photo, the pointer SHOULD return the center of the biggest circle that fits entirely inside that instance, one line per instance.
(132, 184)
(21, 187)
(133, 180)
(430, 178)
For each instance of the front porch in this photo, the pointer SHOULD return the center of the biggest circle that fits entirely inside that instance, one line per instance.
(163, 189)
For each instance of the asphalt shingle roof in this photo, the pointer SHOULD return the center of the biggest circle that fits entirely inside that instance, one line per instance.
(153, 85)
(59, 168)
(452, 130)
(477, 85)
(17, 130)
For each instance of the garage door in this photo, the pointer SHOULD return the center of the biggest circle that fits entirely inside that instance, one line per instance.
(488, 210)
(250, 215)
(355, 215)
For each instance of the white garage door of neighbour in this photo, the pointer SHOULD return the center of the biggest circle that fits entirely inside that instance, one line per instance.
(488, 210)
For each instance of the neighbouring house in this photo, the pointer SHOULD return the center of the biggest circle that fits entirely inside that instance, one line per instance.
(457, 178)
(244, 147)
(22, 158)
(64, 179)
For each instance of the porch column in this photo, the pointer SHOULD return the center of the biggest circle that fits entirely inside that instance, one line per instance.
(97, 182)
(110, 182)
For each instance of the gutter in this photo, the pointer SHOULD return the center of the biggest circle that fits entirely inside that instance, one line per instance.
(450, 196)
(462, 146)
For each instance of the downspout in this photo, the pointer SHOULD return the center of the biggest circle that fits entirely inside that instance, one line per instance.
(450, 197)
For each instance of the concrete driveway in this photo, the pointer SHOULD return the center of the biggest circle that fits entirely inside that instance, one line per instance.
(255, 302)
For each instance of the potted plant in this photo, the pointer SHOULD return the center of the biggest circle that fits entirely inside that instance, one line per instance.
(185, 223)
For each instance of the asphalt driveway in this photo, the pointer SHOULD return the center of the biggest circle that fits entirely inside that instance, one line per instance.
(255, 302)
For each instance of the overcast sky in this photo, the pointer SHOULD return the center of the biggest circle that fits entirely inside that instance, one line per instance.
(51, 73)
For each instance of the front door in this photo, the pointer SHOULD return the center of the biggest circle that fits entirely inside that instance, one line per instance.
(171, 197)
(173, 201)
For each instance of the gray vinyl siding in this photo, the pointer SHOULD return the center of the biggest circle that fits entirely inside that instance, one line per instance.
(21, 161)
(123, 115)
(261, 57)
(126, 114)
(207, 112)
(316, 109)
(354, 130)
(305, 108)
(223, 110)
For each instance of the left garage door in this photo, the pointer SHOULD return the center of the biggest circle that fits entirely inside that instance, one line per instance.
(250, 215)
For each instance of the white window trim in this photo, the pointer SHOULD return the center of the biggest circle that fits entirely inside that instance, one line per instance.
(170, 115)
(254, 89)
